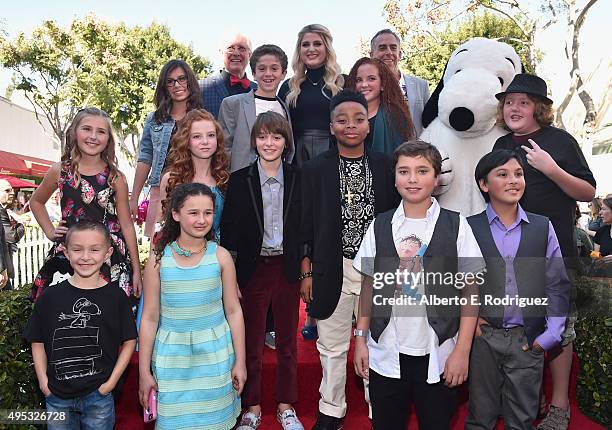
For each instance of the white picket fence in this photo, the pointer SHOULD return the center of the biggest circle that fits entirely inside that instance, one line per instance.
(31, 252)
(34, 247)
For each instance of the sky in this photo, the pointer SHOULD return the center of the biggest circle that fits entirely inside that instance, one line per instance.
(205, 24)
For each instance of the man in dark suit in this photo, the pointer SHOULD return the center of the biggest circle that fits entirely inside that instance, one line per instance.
(342, 191)
(232, 79)
(13, 230)
(4, 278)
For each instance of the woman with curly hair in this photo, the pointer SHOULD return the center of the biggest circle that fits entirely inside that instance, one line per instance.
(389, 117)
(317, 78)
(177, 92)
(197, 155)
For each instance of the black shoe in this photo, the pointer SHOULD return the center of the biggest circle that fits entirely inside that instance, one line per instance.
(325, 422)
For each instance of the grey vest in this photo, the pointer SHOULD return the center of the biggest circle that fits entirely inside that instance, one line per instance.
(440, 257)
(529, 268)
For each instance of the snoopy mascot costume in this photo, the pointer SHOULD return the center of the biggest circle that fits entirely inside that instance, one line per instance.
(460, 116)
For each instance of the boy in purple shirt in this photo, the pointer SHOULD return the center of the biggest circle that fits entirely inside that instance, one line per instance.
(523, 301)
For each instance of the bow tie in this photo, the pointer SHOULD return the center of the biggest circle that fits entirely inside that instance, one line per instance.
(246, 84)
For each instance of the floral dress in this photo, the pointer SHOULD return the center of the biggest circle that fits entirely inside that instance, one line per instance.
(91, 199)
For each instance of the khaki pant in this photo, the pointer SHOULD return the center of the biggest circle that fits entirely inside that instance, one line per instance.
(333, 344)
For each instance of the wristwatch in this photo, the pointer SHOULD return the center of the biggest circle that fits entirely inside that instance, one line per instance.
(361, 333)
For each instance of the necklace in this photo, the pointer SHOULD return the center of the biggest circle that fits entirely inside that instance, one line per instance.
(186, 252)
(313, 83)
(348, 187)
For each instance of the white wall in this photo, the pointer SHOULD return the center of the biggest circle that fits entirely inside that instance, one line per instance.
(21, 133)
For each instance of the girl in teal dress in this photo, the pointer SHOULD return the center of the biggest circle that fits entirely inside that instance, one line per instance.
(192, 346)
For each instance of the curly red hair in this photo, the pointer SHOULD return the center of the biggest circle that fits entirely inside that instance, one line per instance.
(391, 97)
(180, 164)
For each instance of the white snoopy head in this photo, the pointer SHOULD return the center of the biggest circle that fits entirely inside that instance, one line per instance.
(464, 99)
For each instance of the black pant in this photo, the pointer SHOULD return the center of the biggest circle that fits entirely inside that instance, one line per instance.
(269, 320)
(392, 398)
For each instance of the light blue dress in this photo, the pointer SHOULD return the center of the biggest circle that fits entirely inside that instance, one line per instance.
(193, 353)
(219, 201)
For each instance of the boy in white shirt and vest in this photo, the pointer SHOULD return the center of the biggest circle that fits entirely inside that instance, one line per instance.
(414, 333)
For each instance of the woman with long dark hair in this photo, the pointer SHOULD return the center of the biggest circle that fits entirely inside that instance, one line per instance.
(177, 93)
(595, 221)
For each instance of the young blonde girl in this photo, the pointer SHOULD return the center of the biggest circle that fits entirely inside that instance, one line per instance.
(192, 330)
(91, 187)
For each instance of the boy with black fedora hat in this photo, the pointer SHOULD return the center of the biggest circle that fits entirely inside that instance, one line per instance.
(556, 176)
(528, 84)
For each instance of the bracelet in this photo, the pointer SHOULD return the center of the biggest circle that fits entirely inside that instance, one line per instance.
(304, 276)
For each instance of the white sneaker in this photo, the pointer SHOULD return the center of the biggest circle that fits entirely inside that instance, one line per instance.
(289, 420)
(249, 421)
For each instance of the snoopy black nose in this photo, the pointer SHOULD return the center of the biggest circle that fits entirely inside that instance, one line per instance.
(461, 118)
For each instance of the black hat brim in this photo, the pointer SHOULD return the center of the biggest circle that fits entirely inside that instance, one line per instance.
(546, 100)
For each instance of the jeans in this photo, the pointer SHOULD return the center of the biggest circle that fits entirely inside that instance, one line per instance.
(93, 411)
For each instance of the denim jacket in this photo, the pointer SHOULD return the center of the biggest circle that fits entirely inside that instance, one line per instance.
(154, 146)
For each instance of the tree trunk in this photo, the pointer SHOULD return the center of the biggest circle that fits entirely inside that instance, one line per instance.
(575, 20)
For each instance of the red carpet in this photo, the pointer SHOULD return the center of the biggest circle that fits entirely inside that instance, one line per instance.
(129, 413)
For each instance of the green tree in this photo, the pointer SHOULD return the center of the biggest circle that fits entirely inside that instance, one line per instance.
(94, 63)
(417, 20)
(426, 54)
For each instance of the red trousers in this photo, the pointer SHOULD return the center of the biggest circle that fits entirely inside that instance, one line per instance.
(269, 287)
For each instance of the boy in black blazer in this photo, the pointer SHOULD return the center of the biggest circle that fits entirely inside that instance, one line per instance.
(342, 190)
(259, 227)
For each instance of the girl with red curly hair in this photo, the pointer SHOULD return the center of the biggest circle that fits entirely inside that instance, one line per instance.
(197, 155)
(389, 117)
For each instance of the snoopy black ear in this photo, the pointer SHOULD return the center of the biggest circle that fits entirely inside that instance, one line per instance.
(523, 68)
(430, 111)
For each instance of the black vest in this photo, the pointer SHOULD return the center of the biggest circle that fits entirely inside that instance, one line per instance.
(440, 257)
(529, 268)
